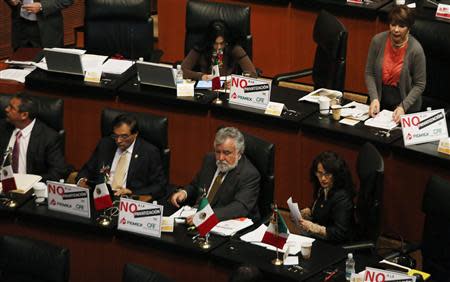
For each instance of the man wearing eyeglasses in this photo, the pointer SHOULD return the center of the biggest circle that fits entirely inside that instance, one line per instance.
(130, 165)
(35, 148)
(227, 178)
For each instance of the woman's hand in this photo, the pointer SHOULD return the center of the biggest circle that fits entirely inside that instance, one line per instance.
(374, 108)
(397, 113)
(305, 225)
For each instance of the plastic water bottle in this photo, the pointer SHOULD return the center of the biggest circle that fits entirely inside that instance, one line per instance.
(349, 266)
(179, 76)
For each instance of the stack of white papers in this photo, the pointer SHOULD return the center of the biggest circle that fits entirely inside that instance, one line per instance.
(15, 74)
(314, 96)
(232, 226)
(90, 61)
(293, 242)
(114, 66)
(382, 120)
(24, 182)
(360, 112)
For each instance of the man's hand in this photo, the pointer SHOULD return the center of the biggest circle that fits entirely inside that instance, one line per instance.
(122, 192)
(374, 108)
(83, 183)
(178, 197)
(32, 8)
(207, 77)
(190, 220)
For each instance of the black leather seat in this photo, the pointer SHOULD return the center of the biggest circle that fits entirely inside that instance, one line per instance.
(436, 230)
(49, 110)
(434, 36)
(262, 155)
(24, 260)
(137, 273)
(200, 13)
(152, 129)
(370, 169)
(328, 70)
(120, 27)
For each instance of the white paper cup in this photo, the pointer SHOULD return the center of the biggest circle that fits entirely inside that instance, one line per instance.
(400, 2)
(306, 249)
(324, 105)
(40, 190)
(336, 110)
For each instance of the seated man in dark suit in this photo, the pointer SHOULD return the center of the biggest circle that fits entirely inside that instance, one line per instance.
(228, 178)
(134, 166)
(35, 147)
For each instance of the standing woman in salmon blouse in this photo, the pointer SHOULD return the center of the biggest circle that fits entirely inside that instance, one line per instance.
(396, 69)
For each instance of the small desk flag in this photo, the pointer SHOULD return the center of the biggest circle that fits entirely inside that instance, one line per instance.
(7, 178)
(277, 232)
(205, 218)
(102, 200)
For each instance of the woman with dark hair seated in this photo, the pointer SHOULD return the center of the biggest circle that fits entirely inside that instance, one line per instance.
(217, 47)
(331, 215)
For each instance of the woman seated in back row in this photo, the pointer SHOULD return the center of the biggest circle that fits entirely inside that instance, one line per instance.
(217, 47)
(331, 215)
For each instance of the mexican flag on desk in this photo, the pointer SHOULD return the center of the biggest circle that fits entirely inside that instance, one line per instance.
(102, 200)
(277, 232)
(205, 218)
(216, 77)
(7, 178)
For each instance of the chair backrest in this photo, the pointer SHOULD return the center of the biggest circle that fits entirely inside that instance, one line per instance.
(436, 230)
(434, 37)
(330, 36)
(370, 170)
(200, 13)
(49, 110)
(119, 27)
(24, 259)
(137, 273)
(152, 128)
(262, 155)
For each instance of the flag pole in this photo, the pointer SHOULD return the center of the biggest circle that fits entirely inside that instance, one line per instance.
(277, 261)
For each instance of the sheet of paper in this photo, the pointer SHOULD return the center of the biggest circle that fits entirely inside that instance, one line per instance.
(184, 212)
(382, 120)
(69, 50)
(313, 97)
(360, 112)
(295, 211)
(232, 226)
(114, 66)
(291, 260)
(24, 182)
(15, 74)
(349, 121)
(90, 61)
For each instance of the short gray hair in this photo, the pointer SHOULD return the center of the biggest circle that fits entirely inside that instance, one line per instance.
(233, 133)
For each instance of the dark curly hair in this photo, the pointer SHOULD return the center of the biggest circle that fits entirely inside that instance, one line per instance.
(215, 29)
(334, 164)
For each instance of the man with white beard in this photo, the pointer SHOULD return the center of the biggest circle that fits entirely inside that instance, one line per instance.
(227, 178)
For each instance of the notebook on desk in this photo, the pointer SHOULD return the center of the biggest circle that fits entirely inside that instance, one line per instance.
(156, 74)
(64, 62)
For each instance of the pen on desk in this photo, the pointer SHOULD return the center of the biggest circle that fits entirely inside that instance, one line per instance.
(330, 275)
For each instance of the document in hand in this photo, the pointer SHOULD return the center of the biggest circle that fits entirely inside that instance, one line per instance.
(231, 226)
(295, 211)
(382, 120)
(293, 242)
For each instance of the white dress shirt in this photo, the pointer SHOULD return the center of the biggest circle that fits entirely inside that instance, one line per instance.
(23, 148)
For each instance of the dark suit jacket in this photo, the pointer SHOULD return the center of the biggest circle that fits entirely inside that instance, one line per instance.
(44, 154)
(238, 194)
(50, 22)
(145, 173)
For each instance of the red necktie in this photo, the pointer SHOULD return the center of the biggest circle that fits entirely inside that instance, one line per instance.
(16, 152)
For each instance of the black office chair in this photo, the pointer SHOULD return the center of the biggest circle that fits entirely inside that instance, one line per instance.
(137, 273)
(152, 129)
(262, 155)
(434, 37)
(120, 27)
(200, 13)
(49, 110)
(23, 260)
(370, 169)
(328, 70)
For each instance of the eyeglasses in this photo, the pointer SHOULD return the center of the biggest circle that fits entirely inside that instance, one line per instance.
(121, 136)
(323, 174)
